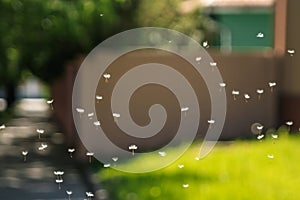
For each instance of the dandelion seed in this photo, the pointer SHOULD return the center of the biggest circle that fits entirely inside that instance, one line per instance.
(116, 116)
(259, 128)
(55, 173)
(213, 64)
(59, 182)
(271, 156)
(58, 174)
(256, 129)
(42, 147)
(259, 92)
(162, 153)
(106, 165)
(101, 15)
(272, 85)
(96, 123)
(222, 85)
(184, 110)
(291, 52)
(170, 41)
(40, 131)
(247, 97)
(259, 137)
(89, 195)
(260, 35)
(98, 98)
(180, 166)
(50, 102)
(115, 159)
(106, 76)
(80, 111)
(289, 124)
(211, 121)
(69, 193)
(90, 154)
(133, 147)
(205, 44)
(197, 158)
(274, 136)
(2, 127)
(71, 151)
(185, 185)
(198, 59)
(24, 153)
(90, 115)
(235, 93)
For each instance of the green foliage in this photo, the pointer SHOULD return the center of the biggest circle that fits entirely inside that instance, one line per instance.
(41, 36)
(168, 14)
(58, 31)
(234, 170)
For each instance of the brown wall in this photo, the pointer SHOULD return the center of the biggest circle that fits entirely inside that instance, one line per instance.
(247, 73)
(62, 94)
(290, 95)
(243, 72)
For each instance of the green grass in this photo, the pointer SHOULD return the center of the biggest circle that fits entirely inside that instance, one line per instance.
(235, 170)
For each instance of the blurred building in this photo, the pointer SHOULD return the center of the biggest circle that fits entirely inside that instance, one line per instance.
(239, 21)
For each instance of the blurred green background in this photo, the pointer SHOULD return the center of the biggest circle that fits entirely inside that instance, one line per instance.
(39, 37)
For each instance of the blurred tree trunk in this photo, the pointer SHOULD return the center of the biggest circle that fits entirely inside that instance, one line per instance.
(10, 90)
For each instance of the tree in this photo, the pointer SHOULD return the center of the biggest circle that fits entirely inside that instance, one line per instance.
(41, 36)
(60, 30)
(9, 49)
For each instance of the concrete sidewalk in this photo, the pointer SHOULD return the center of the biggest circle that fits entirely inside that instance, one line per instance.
(34, 178)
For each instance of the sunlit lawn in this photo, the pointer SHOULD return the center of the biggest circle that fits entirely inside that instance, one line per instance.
(235, 170)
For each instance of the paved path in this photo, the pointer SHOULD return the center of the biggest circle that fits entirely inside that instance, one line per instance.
(34, 178)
